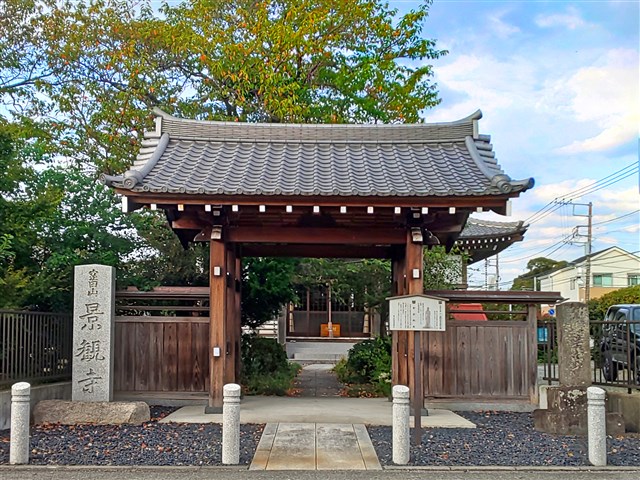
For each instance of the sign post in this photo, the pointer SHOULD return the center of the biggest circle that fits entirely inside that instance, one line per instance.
(419, 313)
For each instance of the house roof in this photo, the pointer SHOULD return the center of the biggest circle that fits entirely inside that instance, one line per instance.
(482, 239)
(580, 260)
(194, 157)
(476, 228)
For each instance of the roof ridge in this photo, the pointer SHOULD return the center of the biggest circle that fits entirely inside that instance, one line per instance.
(183, 128)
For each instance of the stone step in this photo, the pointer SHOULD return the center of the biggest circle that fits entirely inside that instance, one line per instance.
(318, 357)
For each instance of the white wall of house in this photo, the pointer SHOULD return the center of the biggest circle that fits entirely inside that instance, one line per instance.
(611, 270)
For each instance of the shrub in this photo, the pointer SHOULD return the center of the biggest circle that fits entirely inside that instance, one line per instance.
(598, 306)
(265, 367)
(368, 362)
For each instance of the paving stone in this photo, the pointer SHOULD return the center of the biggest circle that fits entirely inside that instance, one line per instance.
(294, 447)
(337, 447)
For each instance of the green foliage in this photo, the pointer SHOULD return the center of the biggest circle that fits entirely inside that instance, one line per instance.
(368, 362)
(266, 287)
(265, 368)
(442, 270)
(598, 306)
(536, 267)
(367, 282)
(78, 81)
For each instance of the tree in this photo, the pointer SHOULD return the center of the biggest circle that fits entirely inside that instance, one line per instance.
(266, 287)
(536, 267)
(442, 270)
(110, 61)
(90, 73)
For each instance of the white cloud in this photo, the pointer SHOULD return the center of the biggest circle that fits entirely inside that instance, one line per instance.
(485, 81)
(605, 95)
(571, 20)
(501, 28)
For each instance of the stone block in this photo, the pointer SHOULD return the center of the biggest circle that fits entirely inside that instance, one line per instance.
(93, 333)
(627, 405)
(574, 353)
(567, 413)
(102, 413)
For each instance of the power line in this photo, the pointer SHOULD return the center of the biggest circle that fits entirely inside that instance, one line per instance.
(617, 218)
(558, 202)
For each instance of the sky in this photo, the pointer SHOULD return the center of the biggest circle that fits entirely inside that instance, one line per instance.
(558, 85)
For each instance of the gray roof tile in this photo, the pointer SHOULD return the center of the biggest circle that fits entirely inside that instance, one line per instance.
(476, 228)
(215, 158)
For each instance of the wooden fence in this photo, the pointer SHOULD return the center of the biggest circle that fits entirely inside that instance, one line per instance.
(161, 354)
(162, 343)
(481, 360)
(493, 359)
(34, 346)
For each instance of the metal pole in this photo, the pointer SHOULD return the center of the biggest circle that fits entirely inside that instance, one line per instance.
(329, 323)
(587, 288)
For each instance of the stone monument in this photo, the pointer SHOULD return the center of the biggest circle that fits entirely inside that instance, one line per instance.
(567, 403)
(93, 333)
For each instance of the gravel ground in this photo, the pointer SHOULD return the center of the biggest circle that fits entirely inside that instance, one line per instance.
(151, 443)
(499, 439)
(506, 439)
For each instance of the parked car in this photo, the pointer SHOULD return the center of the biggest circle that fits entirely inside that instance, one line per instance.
(620, 343)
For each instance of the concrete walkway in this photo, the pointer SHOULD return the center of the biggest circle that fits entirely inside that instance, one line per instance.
(315, 446)
(317, 380)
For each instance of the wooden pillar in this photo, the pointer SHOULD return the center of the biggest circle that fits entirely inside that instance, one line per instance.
(217, 323)
(399, 359)
(230, 316)
(238, 314)
(414, 260)
(532, 352)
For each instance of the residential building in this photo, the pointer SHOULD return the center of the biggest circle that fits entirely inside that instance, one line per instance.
(611, 269)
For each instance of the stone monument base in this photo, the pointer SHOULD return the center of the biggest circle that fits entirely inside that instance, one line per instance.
(567, 413)
(102, 413)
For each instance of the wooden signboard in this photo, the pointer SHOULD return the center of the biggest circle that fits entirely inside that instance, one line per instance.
(417, 313)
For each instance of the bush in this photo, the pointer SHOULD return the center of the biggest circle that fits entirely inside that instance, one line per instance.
(265, 367)
(598, 306)
(368, 362)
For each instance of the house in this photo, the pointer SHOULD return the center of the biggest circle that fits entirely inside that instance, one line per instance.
(611, 269)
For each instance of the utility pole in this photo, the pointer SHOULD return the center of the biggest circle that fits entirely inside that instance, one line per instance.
(587, 285)
(587, 243)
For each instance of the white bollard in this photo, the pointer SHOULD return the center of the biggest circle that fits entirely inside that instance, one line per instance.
(596, 426)
(401, 431)
(20, 406)
(231, 424)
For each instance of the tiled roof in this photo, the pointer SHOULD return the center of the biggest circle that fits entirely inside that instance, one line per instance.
(222, 158)
(475, 228)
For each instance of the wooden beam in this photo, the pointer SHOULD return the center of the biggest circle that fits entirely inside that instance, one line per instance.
(188, 223)
(316, 251)
(340, 236)
(168, 199)
(217, 325)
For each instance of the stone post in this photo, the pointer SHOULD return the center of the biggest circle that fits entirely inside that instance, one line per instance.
(400, 427)
(93, 333)
(231, 424)
(574, 353)
(19, 436)
(596, 426)
(567, 403)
